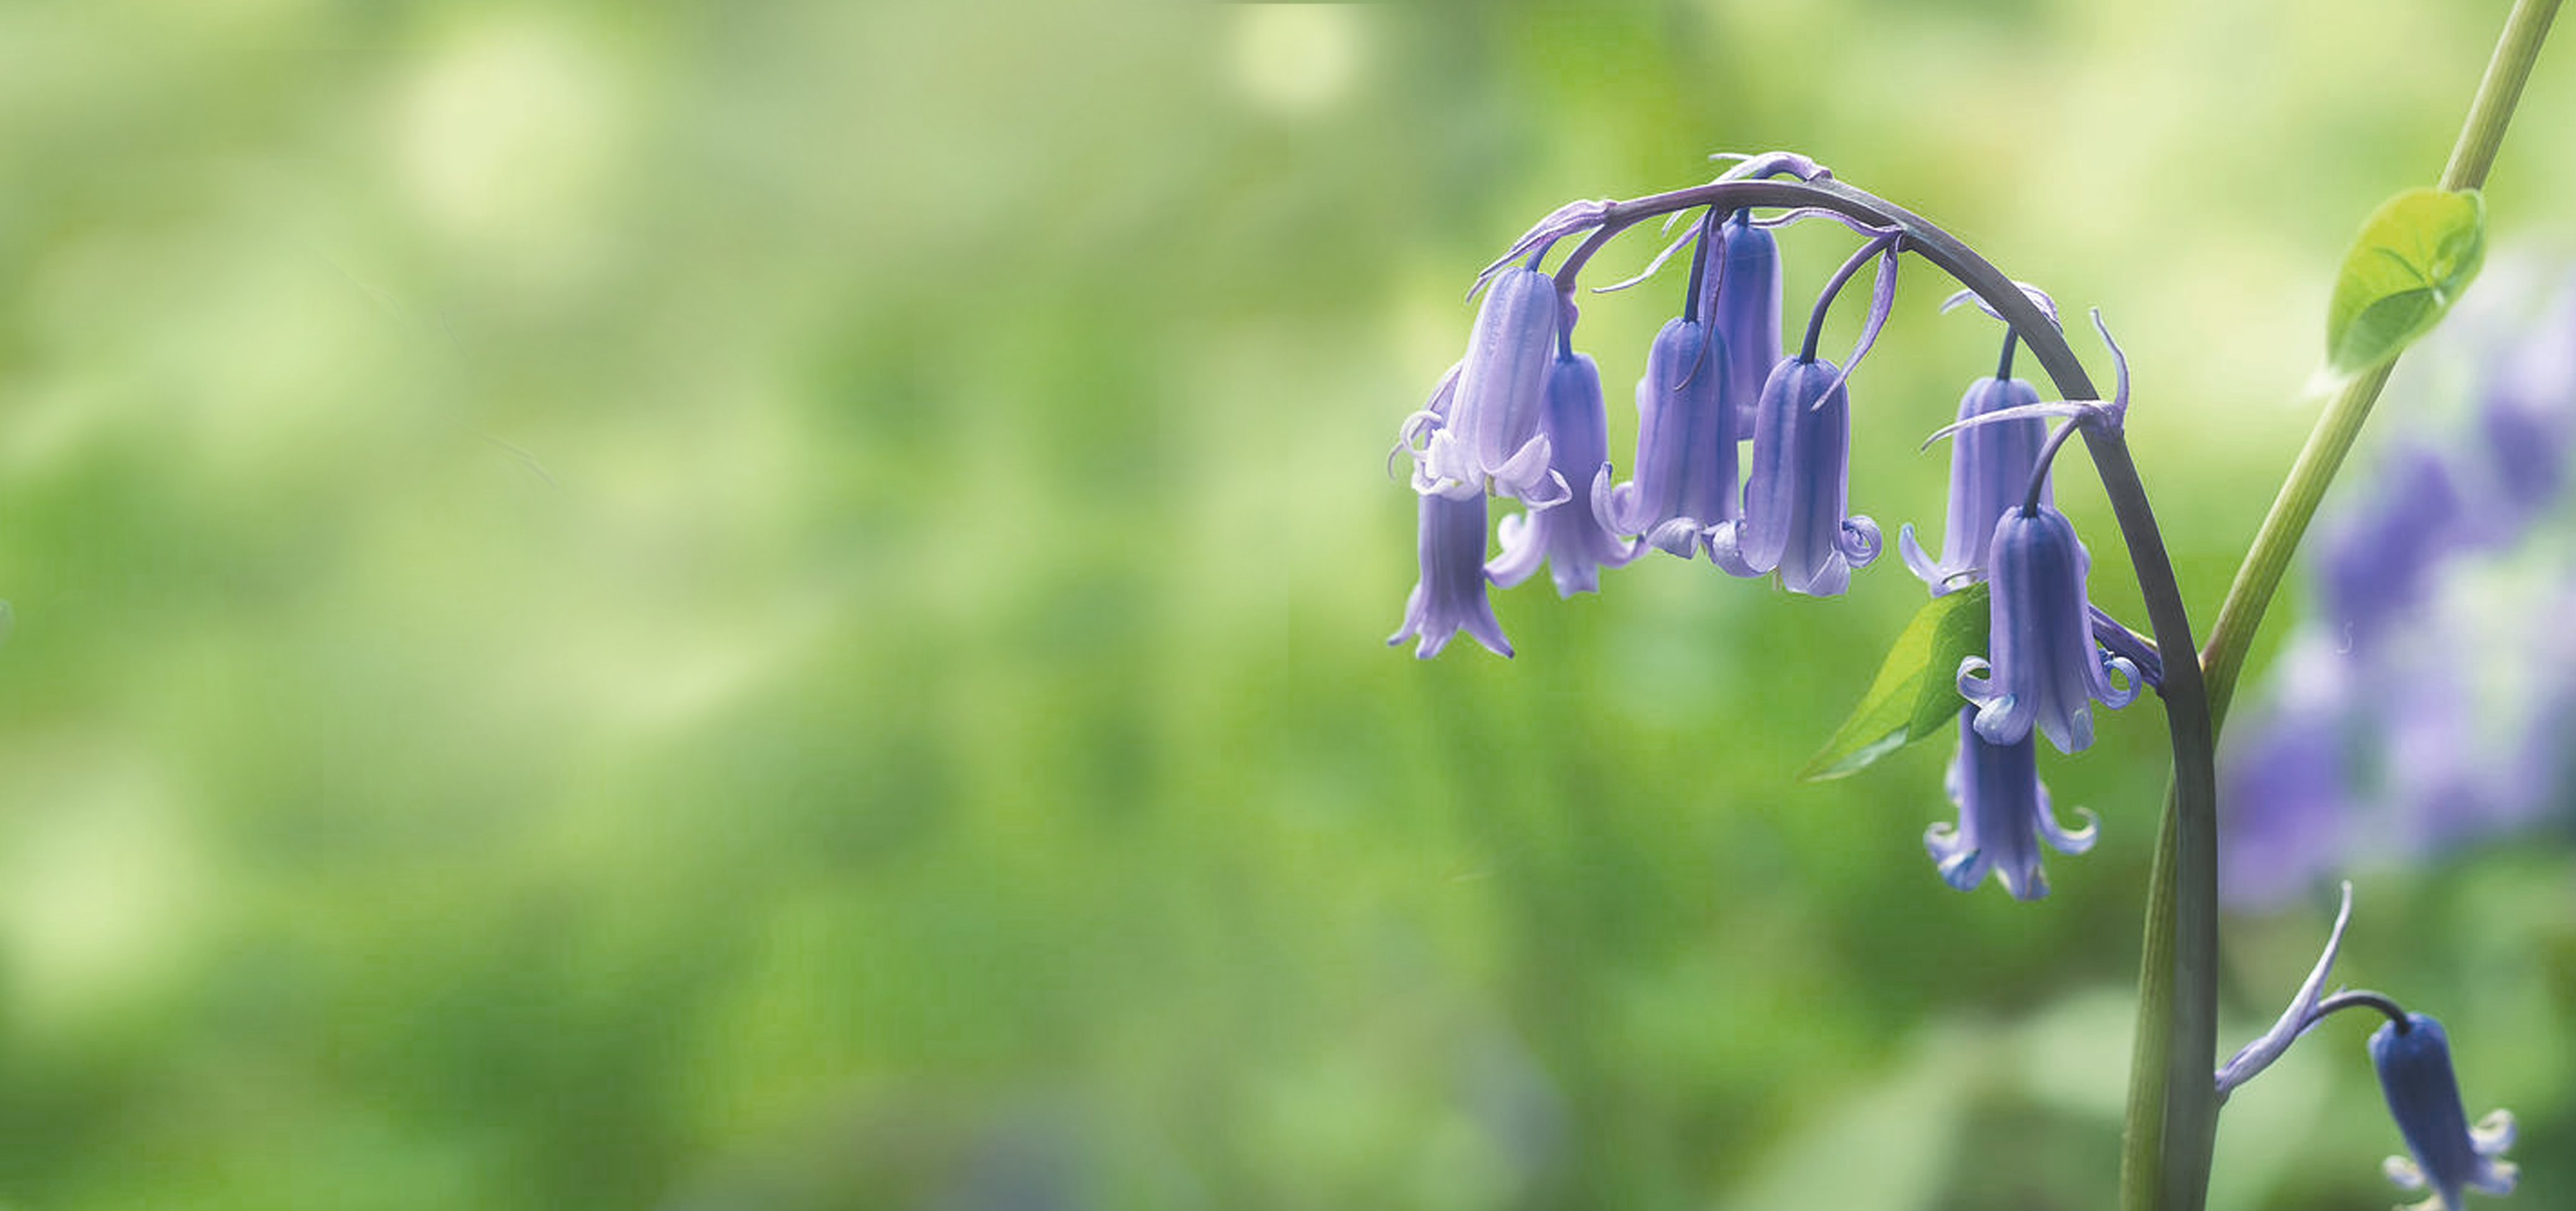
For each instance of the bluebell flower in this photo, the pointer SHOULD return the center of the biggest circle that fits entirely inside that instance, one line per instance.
(2414, 1063)
(1490, 434)
(1685, 446)
(1741, 301)
(1798, 487)
(1569, 536)
(1450, 597)
(2003, 816)
(1990, 468)
(2046, 669)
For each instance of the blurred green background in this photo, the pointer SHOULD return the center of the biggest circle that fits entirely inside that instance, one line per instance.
(780, 606)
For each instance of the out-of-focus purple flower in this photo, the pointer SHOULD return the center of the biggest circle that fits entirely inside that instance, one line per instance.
(2294, 1021)
(2528, 417)
(2003, 816)
(1450, 597)
(2290, 804)
(2414, 1062)
(1569, 536)
(1798, 487)
(1685, 446)
(2378, 560)
(2046, 669)
(1990, 468)
(1490, 434)
(1740, 298)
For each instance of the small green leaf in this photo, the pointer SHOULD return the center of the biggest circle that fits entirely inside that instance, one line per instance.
(1916, 691)
(2414, 256)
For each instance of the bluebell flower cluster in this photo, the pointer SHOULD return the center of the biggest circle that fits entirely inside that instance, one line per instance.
(1521, 416)
(2446, 575)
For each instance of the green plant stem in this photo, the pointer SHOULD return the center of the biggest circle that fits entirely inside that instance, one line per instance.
(2260, 575)
(2177, 968)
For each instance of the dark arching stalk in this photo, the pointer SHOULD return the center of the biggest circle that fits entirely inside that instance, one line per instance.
(2173, 1110)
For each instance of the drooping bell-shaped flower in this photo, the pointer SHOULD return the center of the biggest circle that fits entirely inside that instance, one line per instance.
(1798, 487)
(1570, 536)
(1491, 435)
(2046, 668)
(1990, 468)
(2004, 814)
(2414, 1062)
(1741, 300)
(1685, 446)
(1450, 597)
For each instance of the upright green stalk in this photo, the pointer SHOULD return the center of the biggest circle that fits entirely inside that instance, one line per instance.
(2260, 575)
(2172, 1131)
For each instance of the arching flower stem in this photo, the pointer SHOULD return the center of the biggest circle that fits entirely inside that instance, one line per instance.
(2047, 455)
(1834, 288)
(2360, 998)
(2172, 1109)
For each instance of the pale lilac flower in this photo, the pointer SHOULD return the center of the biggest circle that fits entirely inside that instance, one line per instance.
(1569, 536)
(2004, 814)
(2414, 1062)
(1798, 487)
(1990, 468)
(1685, 446)
(1450, 597)
(1490, 434)
(2046, 669)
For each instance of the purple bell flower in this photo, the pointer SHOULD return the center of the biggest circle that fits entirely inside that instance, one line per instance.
(1990, 468)
(2003, 816)
(2415, 1076)
(1685, 446)
(1741, 298)
(1569, 536)
(1490, 433)
(1450, 597)
(1798, 487)
(2046, 667)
